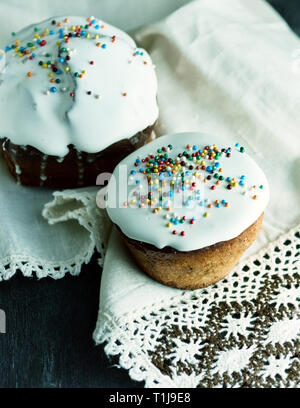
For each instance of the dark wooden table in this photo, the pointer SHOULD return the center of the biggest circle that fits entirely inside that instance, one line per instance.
(50, 323)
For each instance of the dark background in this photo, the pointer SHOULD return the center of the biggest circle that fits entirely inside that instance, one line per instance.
(50, 323)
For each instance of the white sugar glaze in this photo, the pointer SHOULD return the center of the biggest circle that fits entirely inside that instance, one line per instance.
(50, 121)
(222, 224)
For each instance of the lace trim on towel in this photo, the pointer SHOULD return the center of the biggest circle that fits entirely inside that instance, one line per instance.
(67, 205)
(241, 332)
(30, 266)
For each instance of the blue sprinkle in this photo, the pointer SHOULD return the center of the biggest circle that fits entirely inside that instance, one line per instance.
(83, 33)
(209, 169)
(138, 161)
(243, 177)
(237, 145)
(61, 35)
(194, 218)
(228, 179)
(22, 48)
(223, 201)
(176, 222)
(182, 188)
(241, 183)
(61, 60)
(194, 147)
(217, 164)
(7, 48)
(187, 203)
(172, 219)
(201, 203)
(53, 89)
(61, 30)
(171, 193)
(103, 46)
(141, 170)
(52, 32)
(58, 72)
(93, 21)
(97, 27)
(33, 55)
(137, 181)
(218, 205)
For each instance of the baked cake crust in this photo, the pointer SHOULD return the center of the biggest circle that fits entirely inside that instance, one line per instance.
(31, 167)
(192, 269)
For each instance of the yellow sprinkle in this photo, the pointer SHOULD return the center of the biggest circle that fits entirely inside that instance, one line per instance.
(58, 43)
(21, 55)
(17, 50)
(73, 28)
(67, 69)
(50, 74)
(18, 42)
(47, 31)
(169, 225)
(96, 36)
(87, 35)
(84, 71)
(206, 214)
(45, 66)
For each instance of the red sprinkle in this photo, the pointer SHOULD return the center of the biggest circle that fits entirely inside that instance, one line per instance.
(42, 43)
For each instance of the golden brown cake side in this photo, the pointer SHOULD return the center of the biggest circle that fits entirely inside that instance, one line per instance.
(193, 269)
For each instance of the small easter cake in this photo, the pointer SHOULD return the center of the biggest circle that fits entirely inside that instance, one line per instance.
(76, 96)
(187, 206)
